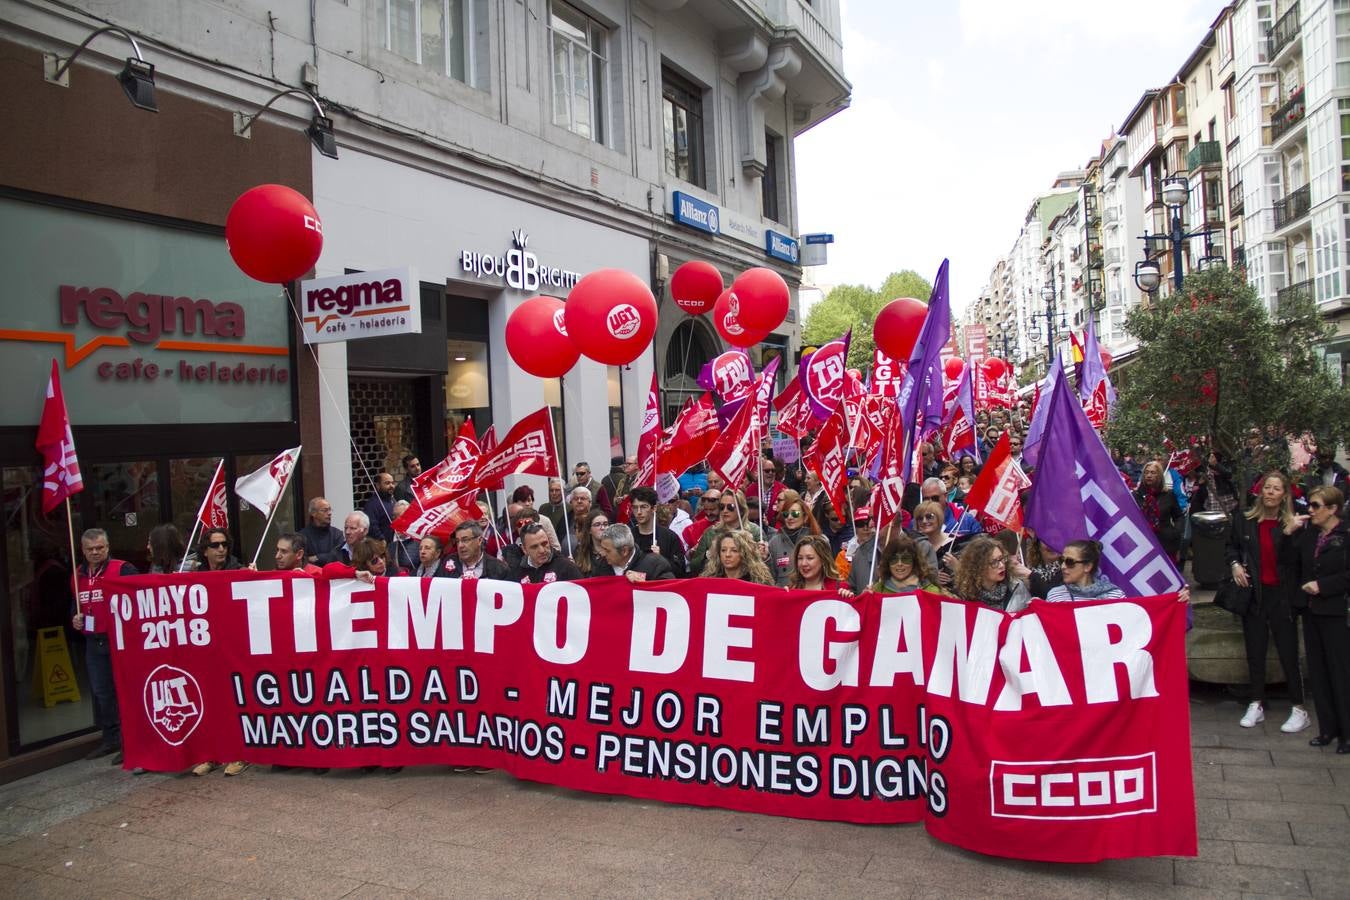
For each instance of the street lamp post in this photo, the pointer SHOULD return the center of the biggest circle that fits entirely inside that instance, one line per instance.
(1175, 192)
(1050, 296)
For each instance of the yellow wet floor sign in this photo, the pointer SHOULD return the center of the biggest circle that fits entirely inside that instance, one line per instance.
(53, 674)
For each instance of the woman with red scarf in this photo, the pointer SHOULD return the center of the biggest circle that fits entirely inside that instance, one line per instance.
(1161, 510)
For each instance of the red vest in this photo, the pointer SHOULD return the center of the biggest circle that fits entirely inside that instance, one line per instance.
(93, 600)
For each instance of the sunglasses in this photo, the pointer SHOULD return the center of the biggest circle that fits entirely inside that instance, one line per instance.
(218, 545)
(927, 517)
(711, 500)
(728, 506)
(1317, 504)
(904, 559)
(793, 514)
(1068, 563)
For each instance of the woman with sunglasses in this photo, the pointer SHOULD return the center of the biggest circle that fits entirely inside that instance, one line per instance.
(794, 523)
(588, 558)
(732, 515)
(1083, 579)
(1264, 557)
(737, 558)
(1322, 547)
(982, 576)
(904, 569)
(213, 553)
(928, 519)
(813, 567)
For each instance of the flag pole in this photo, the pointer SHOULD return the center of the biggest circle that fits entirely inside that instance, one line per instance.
(192, 535)
(263, 539)
(567, 522)
(74, 561)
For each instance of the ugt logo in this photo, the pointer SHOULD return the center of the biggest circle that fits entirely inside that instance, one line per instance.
(173, 703)
(623, 321)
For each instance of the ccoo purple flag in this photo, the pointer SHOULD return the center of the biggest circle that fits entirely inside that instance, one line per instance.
(920, 399)
(1101, 509)
(1031, 447)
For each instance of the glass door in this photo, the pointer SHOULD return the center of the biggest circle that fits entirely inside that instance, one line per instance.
(123, 499)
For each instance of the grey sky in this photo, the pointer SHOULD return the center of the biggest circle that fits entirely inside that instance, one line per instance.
(962, 111)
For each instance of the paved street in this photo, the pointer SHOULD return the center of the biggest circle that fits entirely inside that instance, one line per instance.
(1274, 819)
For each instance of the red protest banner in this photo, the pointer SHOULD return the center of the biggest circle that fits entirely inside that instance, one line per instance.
(1061, 733)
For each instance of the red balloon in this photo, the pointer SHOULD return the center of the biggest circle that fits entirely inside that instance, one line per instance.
(695, 286)
(728, 324)
(611, 316)
(1107, 358)
(537, 339)
(273, 233)
(953, 368)
(995, 367)
(898, 326)
(764, 299)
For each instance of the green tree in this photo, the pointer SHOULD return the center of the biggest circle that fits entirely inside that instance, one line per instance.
(1213, 362)
(856, 306)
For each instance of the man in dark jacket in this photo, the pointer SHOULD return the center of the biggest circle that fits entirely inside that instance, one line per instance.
(412, 467)
(469, 560)
(380, 508)
(542, 564)
(624, 557)
(321, 538)
(651, 537)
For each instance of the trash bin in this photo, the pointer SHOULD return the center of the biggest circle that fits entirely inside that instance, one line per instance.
(1209, 537)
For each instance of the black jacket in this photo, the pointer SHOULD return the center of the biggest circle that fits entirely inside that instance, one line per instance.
(656, 568)
(1169, 517)
(558, 568)
(1328, 568)
(492, 568)
(668, 545)
(1244, 546)
(321, 543)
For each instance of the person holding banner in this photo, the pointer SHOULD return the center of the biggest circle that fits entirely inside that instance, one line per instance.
(541, 564)
(1263, 557)
(1323, 546)
(623, 557)
(429, 552)
(732, 514)
(928, 519)
(1083, 579)
(90, 618)
(904, 569)
(587, 556)
(795, 522)
(470, 561)
(213, 554)
(982, 576)
(738, 559)
(813, 567)
(321, 538)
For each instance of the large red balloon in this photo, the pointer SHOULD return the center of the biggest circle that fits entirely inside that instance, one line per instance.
(953, 368)
(898, 326)
(273, 233)
(728, 324)
(695, 286)
(763, 297)
(537, 339)
(611, 316)
(995, 368)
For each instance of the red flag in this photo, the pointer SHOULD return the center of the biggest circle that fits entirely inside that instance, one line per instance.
(438, 521)
(451, 475)
(789, 405)
(649, 439)
(60, 469)
(828, 459)
(890, 489)
(692, 436)
(997, 492)
(887, 374)
(527, 449)
(489, 441)
(734, 450)
(213, 513)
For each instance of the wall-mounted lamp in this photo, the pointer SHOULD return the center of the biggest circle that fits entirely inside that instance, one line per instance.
(320, 128)
(137, 76)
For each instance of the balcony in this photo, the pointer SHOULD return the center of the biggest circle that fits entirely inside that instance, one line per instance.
(1285, 31)
(1292, 208)
(1235, 198)
(1205, 153)
(1112, 215)
(1286, 296)
(1239, 258)
(1288, 115)
(1113, 256)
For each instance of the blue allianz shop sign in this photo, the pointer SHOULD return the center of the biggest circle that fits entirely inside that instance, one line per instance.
(780, 246)
(696, 213)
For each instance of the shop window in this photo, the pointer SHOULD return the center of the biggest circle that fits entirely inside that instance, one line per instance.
(682, 117)
(578, 45)
(615, 410)
(467, 391)
(435, 34)
(39, 597)
(189, 480)
(124, 500)
(383, 427)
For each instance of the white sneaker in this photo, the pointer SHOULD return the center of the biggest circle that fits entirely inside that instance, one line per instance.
(1297, 721)
(1256, 714)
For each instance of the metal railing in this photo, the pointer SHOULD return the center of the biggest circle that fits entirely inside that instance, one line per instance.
(1284, 31)
(1205, 153)
(1284, 297)
(1293, 207)
(1288, 115)
(1112, 215)
(1235, 197)
(1113, 256)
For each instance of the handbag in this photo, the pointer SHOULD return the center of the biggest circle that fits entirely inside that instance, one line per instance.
(1237, 600)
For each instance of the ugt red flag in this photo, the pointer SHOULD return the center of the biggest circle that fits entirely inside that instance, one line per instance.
(527, 449)
(789, 405)
(451, 475)
(60, 469)
(734, 449)
(438, 521)
(214, 512)
(691, 437)
(997, 492)
(828, 457)
(649, 441)
(263, 488)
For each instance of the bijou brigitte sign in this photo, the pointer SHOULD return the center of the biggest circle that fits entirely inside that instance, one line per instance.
(360, 305)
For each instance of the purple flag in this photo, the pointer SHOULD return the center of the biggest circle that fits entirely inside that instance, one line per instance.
(1094, 386)
(920, 399)
(1031, 447)
(1100, 509)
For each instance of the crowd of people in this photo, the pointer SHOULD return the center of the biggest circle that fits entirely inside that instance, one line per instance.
(1289, 548)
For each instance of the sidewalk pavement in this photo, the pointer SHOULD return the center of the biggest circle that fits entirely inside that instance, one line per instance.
(1273, 820)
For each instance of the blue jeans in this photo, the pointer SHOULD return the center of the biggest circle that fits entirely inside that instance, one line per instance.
(98, 663)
